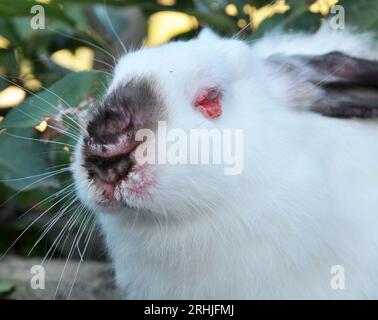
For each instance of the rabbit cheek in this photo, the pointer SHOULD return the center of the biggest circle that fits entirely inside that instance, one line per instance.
(209, 103)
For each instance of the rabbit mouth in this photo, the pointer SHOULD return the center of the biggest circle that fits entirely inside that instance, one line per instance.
(123, 183)
(109, 146)
(115, 177)
(134, 187)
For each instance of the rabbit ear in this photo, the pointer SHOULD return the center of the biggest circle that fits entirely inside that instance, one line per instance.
(333, 84)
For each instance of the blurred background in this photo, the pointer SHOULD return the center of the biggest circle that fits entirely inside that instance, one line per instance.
(56, 57)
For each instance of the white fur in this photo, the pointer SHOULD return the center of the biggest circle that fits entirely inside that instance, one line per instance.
(307, 199)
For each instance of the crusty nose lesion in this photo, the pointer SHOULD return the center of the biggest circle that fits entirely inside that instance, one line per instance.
(111, 131)
(108, 125)
(129, 107)
(109, 170)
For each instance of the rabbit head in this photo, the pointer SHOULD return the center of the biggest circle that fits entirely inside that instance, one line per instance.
(242, 99)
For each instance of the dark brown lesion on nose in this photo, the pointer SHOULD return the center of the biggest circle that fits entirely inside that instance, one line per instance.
(132, 106)
(109, 170)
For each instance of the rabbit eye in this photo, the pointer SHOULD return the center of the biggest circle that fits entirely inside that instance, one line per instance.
(208, 101)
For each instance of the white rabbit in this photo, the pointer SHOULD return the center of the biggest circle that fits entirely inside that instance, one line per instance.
(300, 221)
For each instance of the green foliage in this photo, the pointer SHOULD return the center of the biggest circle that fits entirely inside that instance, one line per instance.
(11, 8)
(6, 288)
(20, 158)
(68, 92)
(362, 14)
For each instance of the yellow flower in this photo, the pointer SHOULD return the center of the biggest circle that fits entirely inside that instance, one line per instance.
(323, 6)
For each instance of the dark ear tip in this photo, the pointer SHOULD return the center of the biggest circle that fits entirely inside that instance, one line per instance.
(347, 112)
(348, 85)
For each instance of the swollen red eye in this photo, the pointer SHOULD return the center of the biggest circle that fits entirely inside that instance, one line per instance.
(209, 102)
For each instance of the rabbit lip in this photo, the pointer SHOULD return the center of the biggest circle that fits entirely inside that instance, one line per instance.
(107, 188)
(107, 191)
(135, 184)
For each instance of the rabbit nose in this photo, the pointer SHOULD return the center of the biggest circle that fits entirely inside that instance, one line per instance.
(110, 133)
(107, 148)
(108, 126)
(110, 141)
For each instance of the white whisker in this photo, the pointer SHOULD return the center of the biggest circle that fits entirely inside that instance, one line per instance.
(78, 236)
(84, 41)
(39, 140)
(67, 227)
(37, 175)
(30, 225)
(49, 103)
(53, 221)
(112, 27)
(86, 241)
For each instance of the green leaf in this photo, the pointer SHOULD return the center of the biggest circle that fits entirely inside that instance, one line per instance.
(9, 61)
(107, 2)
(298, 18)
(9, 31)
(260, 3)
(307, 21)
(361, 13)
(3, 83)
(68, 92)
(6, 288)
(268, 25)
(219, 22)
(11, 8)
(22, 157)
